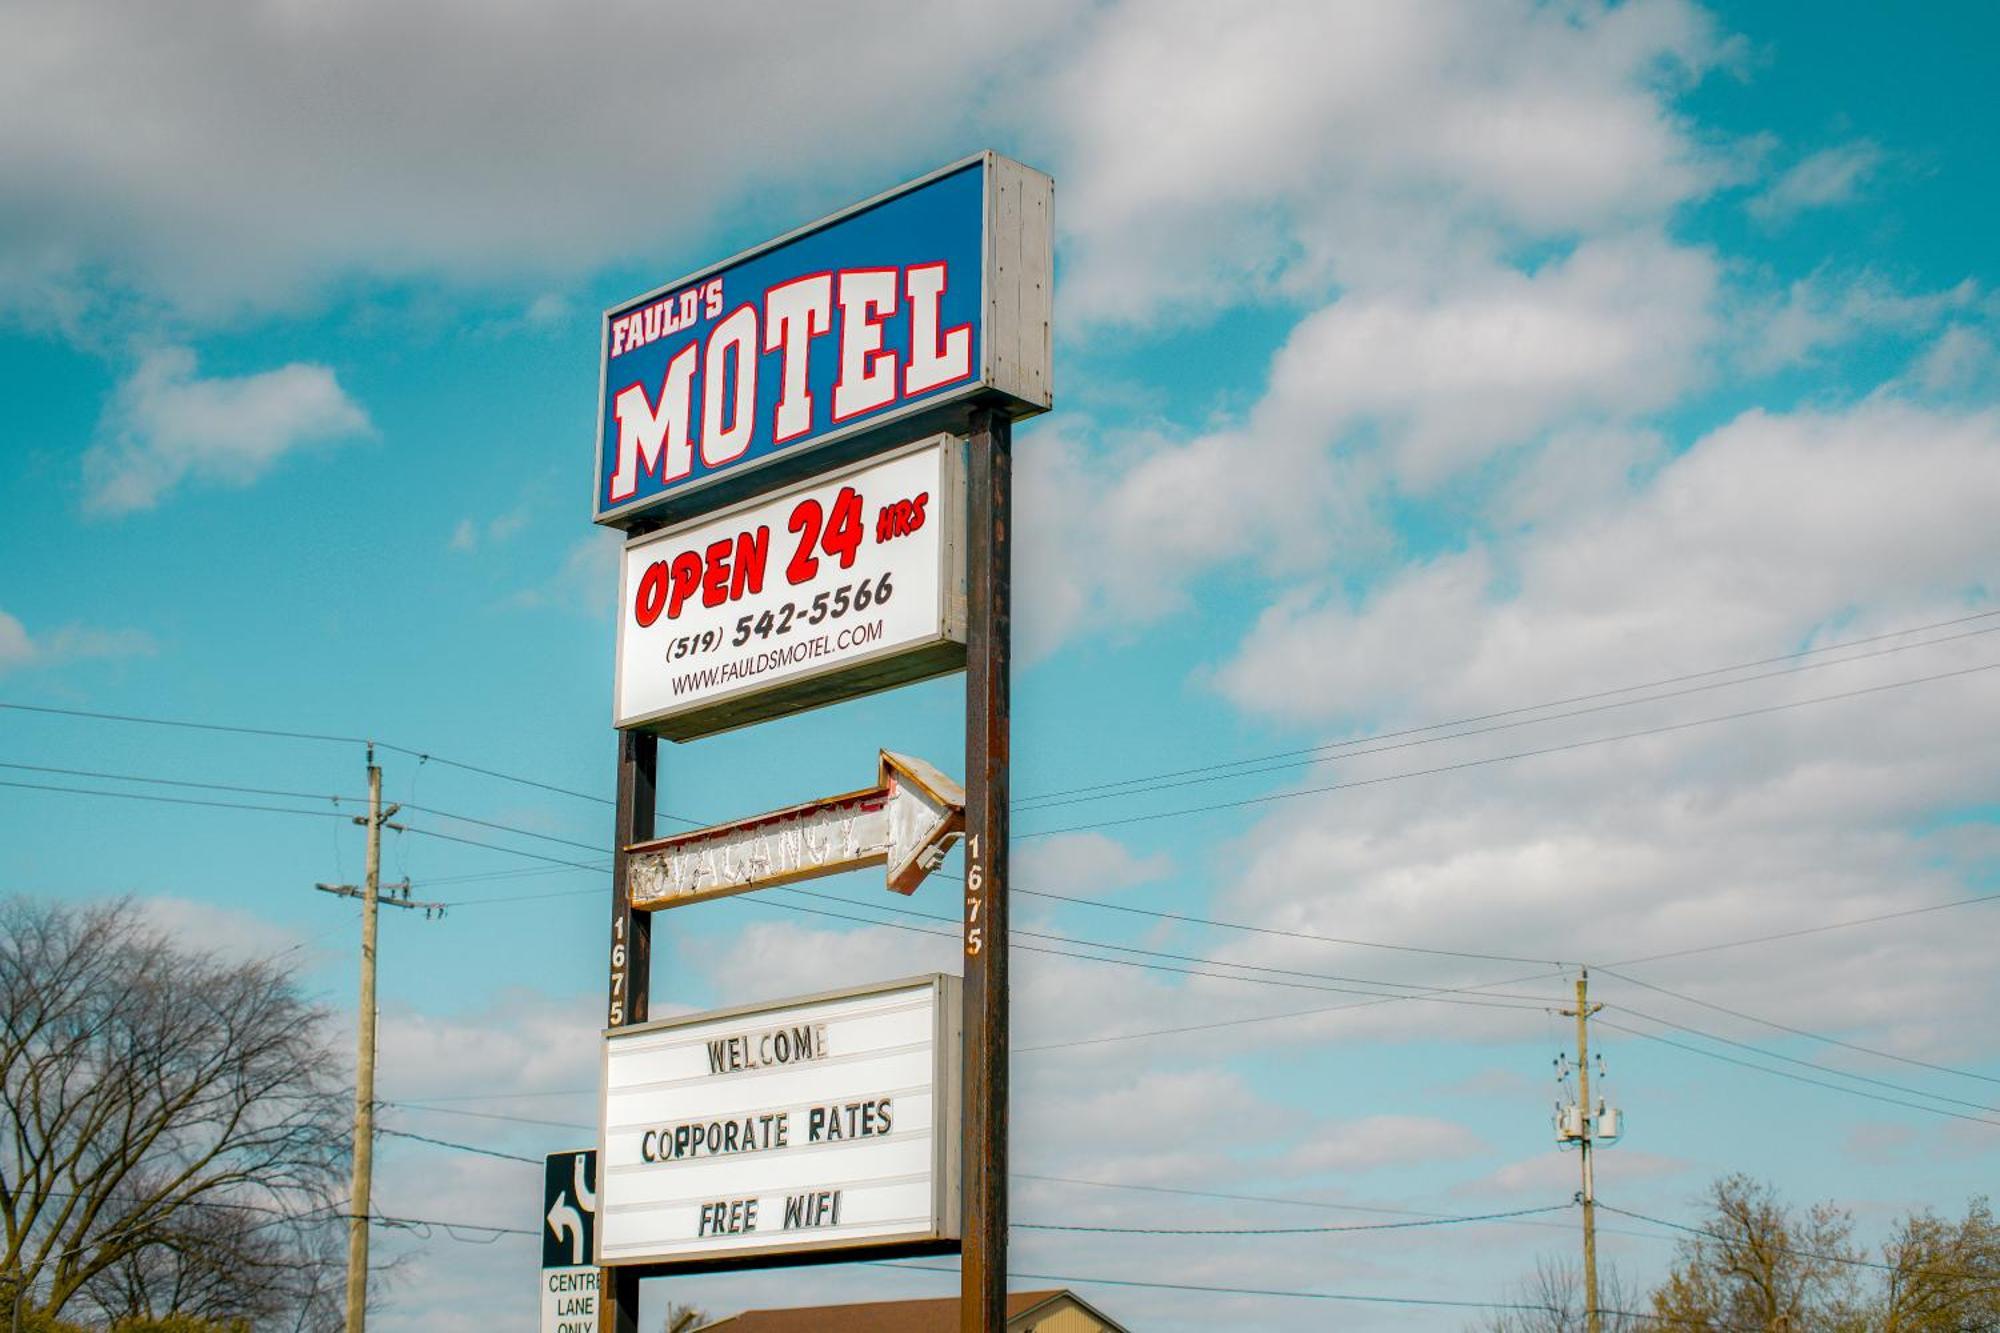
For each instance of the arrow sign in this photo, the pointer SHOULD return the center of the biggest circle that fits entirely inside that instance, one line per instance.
(906, 822)
(569, 1208)
(567, 1221)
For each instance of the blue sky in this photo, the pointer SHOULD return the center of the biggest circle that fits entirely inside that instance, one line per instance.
(1415, 363)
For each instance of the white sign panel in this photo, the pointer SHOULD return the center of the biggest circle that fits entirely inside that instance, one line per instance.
(778, 1129)
(846, 585)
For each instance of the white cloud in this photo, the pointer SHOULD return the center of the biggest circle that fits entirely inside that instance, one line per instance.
(1401, 387)
(1614, 330)
(66, 643)
(1829, 177)
(1822, 312)
(1959, 359)
(1774, 532)
(1214, 151)
(1379, 1141)
(1203, 152)
(471, 533)
(288, 146)
(1085, 863)
(15, 645)
(167, 424)
(221, 930)
(1767, 529)
(587, 580)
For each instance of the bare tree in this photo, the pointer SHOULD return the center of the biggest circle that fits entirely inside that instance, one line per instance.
(1944, 1276)
(1754, 1263)
(1556, 1300)
(171, 1126)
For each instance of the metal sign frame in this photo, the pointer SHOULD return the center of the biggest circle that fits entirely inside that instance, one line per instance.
(987, 422)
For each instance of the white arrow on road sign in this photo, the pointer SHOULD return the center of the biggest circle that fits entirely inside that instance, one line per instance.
(906, 822)
(563, 1218)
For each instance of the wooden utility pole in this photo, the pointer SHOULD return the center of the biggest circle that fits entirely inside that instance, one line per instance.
(364, 1070)
(631, 977)
(988, 661)
(369, 891)
(1593, 1317)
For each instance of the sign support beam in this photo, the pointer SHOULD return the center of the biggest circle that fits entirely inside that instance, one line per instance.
(989, 642)
(631, 975)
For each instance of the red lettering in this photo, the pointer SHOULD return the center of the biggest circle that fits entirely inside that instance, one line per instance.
(806, 521)
(753, 549)
(715, 583)
(843, 534)
(686, 573)
(652, 598)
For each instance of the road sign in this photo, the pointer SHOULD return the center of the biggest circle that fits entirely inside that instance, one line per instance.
(569, 1226)
(879, 324)
(844, 585)
(906, 822)
(770, 1133)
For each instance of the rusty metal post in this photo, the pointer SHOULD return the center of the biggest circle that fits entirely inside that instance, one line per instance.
(988, 661)
(631, 980)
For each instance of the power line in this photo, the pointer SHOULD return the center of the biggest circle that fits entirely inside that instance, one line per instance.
(1809, 930)
(1435, 1220)
(181, 782)
(507, 828)
(1286, 934)
(176, 800)
(1300, 1203)
(424, 757)
(1803, 1064)
(433, 833)
(1793, 1059)
(295, 795)
(1529, 708)
(276, 733)
(460, 1147)
(1287, 1231)
(1801, 1032)
(1346, 750)
(496, 847)
(488, 1115)
(382, 1219)
(1072, 1279)
(1848, 1259)
(1244, 1022)
(1664, 729)
(1019, 932)
(1139, 963)
(1796, 1078)
(1051, 799)
(191, 726)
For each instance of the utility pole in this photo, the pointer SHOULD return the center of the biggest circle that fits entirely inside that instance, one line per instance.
(1583, 1131)
(370, 894)
(988, 720)
(630, 996)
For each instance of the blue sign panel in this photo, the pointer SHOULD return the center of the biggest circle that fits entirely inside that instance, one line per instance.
(837, 332)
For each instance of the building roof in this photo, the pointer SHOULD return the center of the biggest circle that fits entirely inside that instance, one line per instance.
(931, 1316)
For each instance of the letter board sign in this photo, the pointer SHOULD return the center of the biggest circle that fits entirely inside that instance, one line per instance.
(871, 327)
(774, 1133)
(840, 586)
